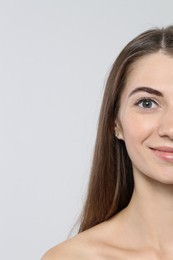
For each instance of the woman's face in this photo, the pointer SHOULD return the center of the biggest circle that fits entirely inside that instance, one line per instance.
(145, 120)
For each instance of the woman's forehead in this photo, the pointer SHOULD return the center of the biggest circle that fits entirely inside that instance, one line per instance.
(153, 69)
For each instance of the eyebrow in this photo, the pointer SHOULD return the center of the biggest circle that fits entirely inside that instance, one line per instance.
(146, 89)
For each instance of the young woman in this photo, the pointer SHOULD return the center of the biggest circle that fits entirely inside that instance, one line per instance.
(128, 213)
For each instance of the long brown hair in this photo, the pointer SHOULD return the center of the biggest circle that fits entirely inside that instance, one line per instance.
(111, 182)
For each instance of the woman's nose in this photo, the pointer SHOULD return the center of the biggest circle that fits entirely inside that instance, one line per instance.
(166, 124)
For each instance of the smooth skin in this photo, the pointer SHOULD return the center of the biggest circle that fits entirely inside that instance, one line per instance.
(144, 229)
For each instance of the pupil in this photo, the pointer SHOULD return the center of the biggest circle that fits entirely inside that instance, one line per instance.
(147, 103)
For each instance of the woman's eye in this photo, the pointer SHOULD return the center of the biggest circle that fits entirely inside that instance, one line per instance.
(147, 103)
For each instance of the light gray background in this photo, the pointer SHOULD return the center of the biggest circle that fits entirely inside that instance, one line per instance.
(54, 60)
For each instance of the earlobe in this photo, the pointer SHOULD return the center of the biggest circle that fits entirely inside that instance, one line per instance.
(121, 137)
(118, 132)
(118, 135)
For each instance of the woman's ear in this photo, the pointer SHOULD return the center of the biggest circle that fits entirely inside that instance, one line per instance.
(118, 130)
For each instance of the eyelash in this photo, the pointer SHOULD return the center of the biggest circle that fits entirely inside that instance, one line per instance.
(146, 99)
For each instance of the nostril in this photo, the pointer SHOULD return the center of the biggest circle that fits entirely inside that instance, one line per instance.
(166, 132)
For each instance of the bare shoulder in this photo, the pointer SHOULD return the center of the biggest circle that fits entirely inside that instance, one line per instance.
(60, 251)
(66, 250)
(85, 245)
(106, 241)
(99, 242)
(76, 248)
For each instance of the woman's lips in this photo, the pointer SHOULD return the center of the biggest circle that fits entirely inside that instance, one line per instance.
(163, 152)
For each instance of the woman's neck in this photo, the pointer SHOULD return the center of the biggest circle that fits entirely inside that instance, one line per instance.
(150, 213)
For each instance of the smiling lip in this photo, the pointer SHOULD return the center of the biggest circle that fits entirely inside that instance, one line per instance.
(164, 152)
